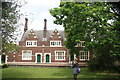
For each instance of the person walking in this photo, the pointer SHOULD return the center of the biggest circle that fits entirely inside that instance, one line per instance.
(76, 68)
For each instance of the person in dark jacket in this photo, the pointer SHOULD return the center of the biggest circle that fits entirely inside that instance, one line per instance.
(76, 68)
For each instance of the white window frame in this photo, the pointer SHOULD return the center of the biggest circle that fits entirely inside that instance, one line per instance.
(80, 44)
(57, 44)
(56, 55)
(85, 55)
(30, 57)
(31, 43)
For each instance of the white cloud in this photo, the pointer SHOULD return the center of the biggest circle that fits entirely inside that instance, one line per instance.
(37, 10)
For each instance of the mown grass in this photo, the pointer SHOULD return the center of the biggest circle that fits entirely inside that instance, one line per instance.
(29, 72)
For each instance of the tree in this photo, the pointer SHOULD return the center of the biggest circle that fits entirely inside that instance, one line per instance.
(93, 22)
(10, 18)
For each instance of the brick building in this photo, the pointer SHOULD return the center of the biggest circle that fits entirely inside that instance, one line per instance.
(43, 46)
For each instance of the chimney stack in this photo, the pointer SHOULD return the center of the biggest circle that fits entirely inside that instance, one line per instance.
(45, 24)
(45, 27)
(26, 25)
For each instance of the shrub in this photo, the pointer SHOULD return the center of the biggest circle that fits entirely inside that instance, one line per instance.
(101, 62)
(5, 66)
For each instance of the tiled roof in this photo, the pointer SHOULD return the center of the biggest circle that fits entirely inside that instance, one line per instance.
(39, 34)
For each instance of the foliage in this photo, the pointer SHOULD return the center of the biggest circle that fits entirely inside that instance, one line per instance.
(10, 18)
(10, 48)
(93, 22)
(5, 66)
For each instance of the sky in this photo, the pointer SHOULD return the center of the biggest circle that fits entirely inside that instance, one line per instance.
(38, 10)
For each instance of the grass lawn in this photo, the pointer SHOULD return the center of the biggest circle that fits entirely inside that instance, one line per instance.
(29, 72)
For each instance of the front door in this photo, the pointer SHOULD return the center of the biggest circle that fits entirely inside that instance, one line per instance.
(47, 58)
(71, 57)
(38, 58)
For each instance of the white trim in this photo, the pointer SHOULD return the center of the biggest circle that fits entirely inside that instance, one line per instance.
(58, 33)
(41, 46)
(35, 63)
(45, 57)
(36, 57)
(20, 62)
(56, 30)
(35, 36)
(51, 36)
(74, 56)
(59, 37)
(59, 51)
(69, 59)
(6, 58)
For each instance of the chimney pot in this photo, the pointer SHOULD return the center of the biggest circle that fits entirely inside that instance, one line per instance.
(26, 19)
(45, 20)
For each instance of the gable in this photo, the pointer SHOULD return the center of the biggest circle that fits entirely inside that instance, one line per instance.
(59, 34)
(55, 35)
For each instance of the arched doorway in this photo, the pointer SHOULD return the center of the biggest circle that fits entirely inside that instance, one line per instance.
(47, 58)
(38, 58)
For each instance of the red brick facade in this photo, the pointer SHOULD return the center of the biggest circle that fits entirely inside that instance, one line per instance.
(44, 46)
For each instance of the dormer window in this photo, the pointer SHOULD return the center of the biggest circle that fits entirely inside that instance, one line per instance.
(80, 44)
(31, 43)
(55, 43)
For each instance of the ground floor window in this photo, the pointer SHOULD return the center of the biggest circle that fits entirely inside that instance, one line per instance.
(26, 54)
(84, 55)
(59, 55)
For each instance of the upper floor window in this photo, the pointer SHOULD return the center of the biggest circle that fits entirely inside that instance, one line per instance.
(80, 44)
(31, 43)
(26, 54)
(55, 43)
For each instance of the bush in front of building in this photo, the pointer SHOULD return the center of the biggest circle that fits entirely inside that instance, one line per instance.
(101, 62)
(5, 66)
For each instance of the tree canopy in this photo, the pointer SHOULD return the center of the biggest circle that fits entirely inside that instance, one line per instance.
(95, 23)
(10, 17)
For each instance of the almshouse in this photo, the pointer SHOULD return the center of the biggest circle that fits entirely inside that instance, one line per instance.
(44, 46)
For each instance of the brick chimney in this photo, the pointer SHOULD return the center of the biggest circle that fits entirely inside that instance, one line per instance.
(45, 28)
(26, 25)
